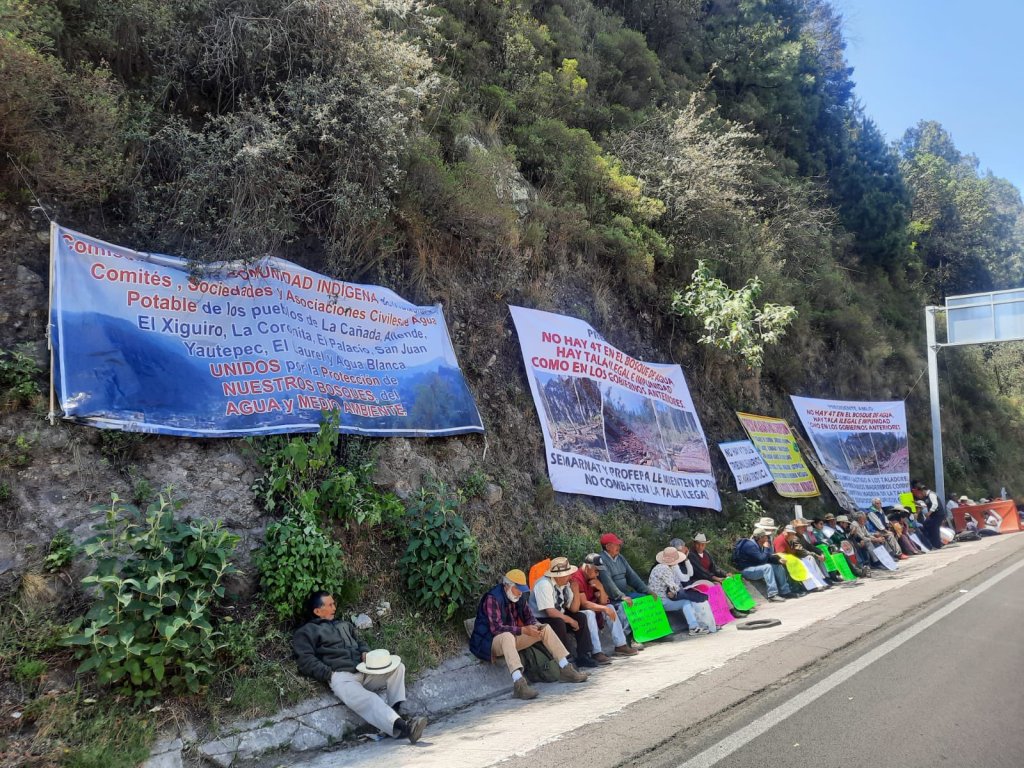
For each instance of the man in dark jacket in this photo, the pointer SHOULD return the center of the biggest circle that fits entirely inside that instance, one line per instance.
(704, 567)
(756, 561)
(328, 650)
(505, 625)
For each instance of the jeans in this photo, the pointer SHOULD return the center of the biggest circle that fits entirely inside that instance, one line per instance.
(682, 605)
(931, 529)
(618, 633)
(772, 574)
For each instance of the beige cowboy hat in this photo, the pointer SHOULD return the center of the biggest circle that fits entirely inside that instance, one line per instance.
(379, 661)
(800, 522)
(560, 566)
(842, 519)
(767, 523)
(700, 538)
(669, 556)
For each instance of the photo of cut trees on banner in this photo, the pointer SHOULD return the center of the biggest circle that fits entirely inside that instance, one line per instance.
(864, 444)
(774, 440)
(613, 426)
(143, 343)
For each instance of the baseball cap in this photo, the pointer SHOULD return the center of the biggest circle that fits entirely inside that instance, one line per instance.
(594, 561)
(610, 538)
(517, 579)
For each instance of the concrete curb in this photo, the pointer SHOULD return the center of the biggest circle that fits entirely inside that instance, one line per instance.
(322, 721)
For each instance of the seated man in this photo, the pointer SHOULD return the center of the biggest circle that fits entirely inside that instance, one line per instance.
(705, 569)
(755, 559)
(505, 625)
(861, 556)
(813, 559)
(619, 579)
(665, 582)
(328, 650)
(551, 601)
(859, 532)
(878, 523)
(590, 598)
(993, 522)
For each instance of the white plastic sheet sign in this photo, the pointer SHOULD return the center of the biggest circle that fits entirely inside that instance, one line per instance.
(748, 468)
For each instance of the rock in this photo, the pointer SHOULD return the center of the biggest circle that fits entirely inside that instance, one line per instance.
(43, 236)
(493, 494)
(383, 609)
(362, 622)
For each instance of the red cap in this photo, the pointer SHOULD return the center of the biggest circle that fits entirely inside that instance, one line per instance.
(610, 538)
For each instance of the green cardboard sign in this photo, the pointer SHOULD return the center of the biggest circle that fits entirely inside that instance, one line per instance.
(647, 618)
(736, 591)
(844, 567)
(830, 564)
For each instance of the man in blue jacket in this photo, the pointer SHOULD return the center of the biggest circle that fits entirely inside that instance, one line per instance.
(505, 625)
(756, 561)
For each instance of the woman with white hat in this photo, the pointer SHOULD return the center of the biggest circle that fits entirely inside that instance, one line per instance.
(665, 583)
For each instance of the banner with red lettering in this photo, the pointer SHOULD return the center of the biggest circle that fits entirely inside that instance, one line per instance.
(142, 343)
(864, 444)
(613, 426)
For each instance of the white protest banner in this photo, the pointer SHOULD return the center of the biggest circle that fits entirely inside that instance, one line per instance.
(613, 426)
(885, 558)
(748, 468)
(864, 444)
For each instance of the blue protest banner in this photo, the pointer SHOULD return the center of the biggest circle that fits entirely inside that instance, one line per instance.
(143, 344)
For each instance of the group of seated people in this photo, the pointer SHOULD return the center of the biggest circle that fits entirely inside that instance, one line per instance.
(566, 607)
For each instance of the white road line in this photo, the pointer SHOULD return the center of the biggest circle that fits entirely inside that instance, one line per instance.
(713, 755)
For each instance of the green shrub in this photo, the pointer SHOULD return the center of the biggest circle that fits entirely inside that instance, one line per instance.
(158, 579)
(441, 562)
(61, 552)
(19, 375)
(28, 670)
(297, 558)
(307, 475)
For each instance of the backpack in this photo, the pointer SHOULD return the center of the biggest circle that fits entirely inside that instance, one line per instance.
(538, 665)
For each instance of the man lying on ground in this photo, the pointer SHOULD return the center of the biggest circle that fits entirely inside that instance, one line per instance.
(505, 625)
(328, 650)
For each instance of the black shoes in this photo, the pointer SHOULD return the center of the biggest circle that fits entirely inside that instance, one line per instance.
(410, 729)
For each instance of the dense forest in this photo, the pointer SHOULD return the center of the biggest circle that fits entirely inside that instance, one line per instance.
(390, 141)
(588, 157)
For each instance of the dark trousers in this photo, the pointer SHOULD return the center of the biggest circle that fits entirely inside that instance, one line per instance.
(931, 528)
(582, 635)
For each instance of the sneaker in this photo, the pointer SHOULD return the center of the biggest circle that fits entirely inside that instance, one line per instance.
(601, 659)
(625, 650)
(637, 646)
(737, 613)
(521, 690)
(410, 729)
(569, 674)
(699, 631)
(778, 599)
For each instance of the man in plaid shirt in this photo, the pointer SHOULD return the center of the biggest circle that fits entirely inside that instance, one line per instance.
(505, 625)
